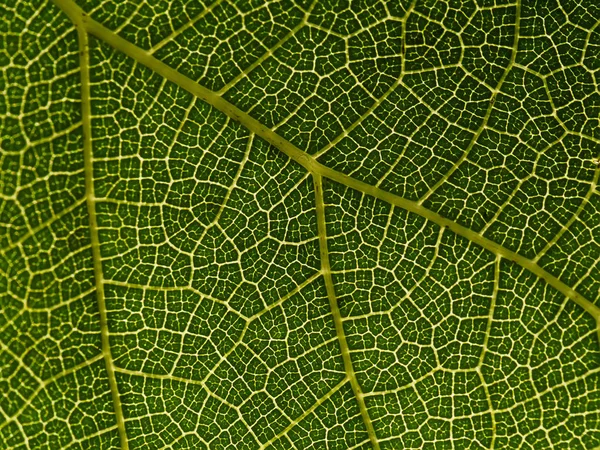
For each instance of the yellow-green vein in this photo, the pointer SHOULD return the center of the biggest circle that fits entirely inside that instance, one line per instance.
(86, 115)
(335, 311)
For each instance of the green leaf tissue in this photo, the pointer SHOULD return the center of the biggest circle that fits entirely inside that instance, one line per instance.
(299, 224)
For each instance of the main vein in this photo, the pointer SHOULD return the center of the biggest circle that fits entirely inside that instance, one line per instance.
(335, 310)
(95, 242)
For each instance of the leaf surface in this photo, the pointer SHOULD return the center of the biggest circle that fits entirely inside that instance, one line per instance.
(309, 224)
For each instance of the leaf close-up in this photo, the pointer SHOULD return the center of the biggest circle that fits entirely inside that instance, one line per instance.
(309, 224)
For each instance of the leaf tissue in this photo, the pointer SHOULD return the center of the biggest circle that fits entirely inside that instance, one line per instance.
(299, 224)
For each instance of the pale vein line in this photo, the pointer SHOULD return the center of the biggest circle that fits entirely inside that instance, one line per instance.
(306, 413)
(53, 136)
(175, 444)
(407, 296)
(585, 200)
(26, 309)
(174, 289)
(202, 384)
(492, 309)
(485, 347)
(461, 230)
(488, 113)
(43, 225)
(335, 311)
(379, 101)
(539, 394)
(240, 339)
(229, 190)
(376, 104)
(86, 114)
(269, 52)
(180, 30)
(20, 361)
(90, 436)
(161, 377)
(293, 292)
(46, 383)
(517, 188)
(129, 18)
(235, 345)
(573, 218)
(79, 17)
(360, 445)
(413, 384)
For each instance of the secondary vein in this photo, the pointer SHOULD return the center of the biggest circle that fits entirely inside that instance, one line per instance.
(335, 311)
(95, 242)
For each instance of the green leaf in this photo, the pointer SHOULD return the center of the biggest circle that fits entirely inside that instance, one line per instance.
(299, 224)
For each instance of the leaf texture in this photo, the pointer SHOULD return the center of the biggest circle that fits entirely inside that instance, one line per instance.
(299, 224)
